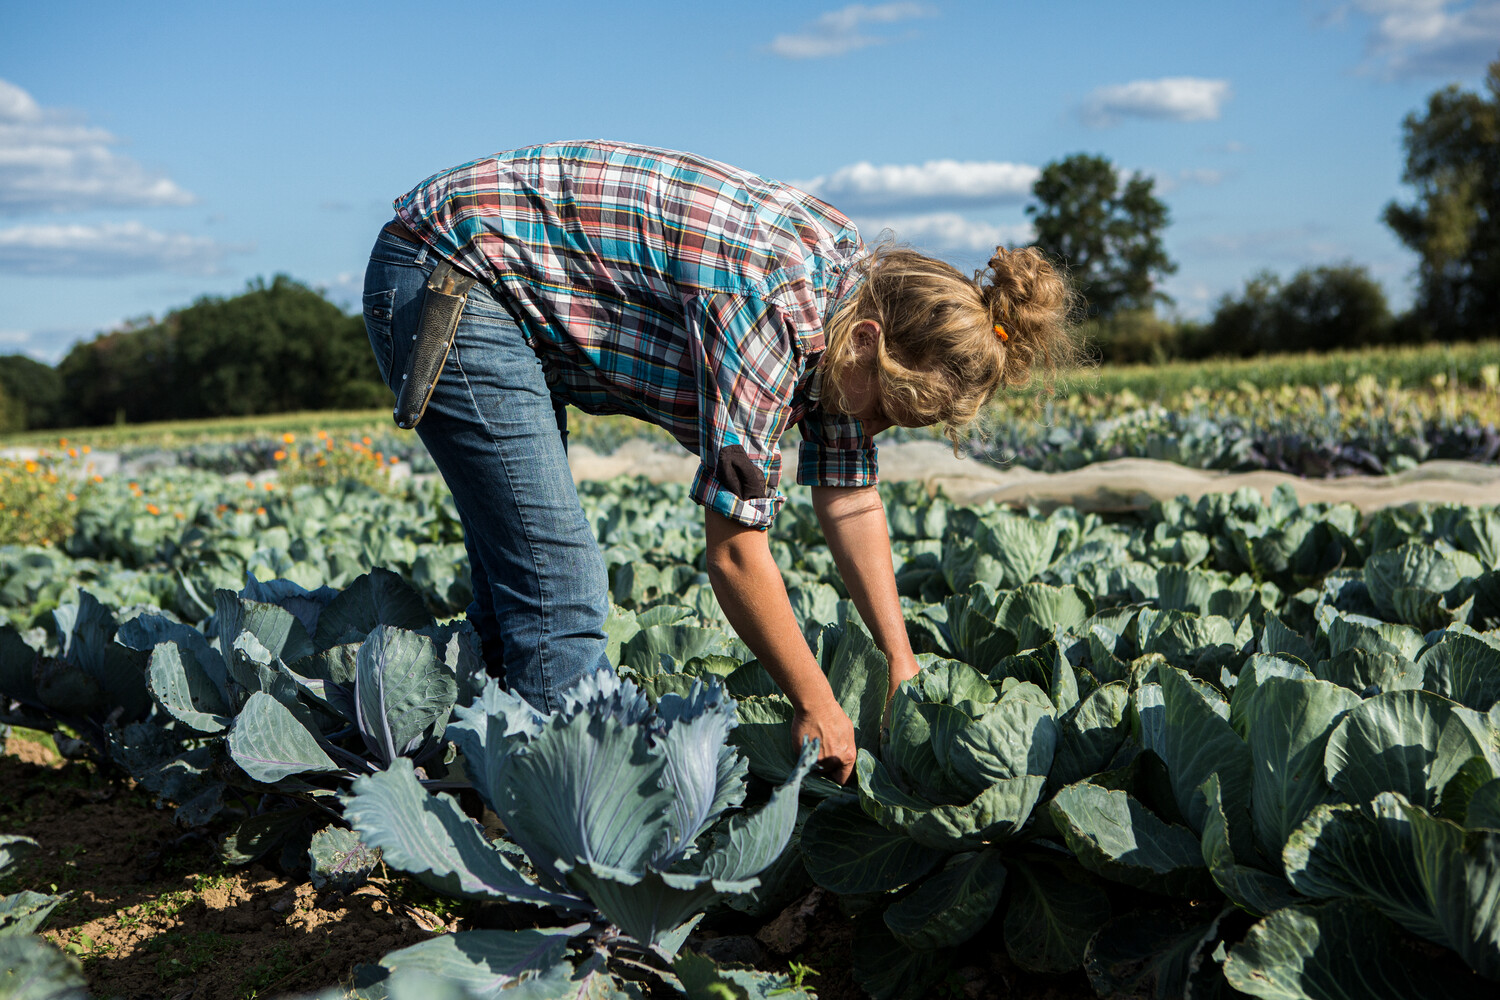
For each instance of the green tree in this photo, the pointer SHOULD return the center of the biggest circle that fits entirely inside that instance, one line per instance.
(1106, 231)
(12, 413)
(1453, 162)
(1323, 308)
(34, 390)
(1319, 309)
(278, 347)
(1246, 324)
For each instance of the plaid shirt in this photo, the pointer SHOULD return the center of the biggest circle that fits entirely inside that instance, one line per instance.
(671, 288)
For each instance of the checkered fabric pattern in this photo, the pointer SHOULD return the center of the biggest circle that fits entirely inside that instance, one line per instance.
(669, 287)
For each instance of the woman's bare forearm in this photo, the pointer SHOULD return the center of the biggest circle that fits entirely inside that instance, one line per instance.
(749, 587)
(853, 522)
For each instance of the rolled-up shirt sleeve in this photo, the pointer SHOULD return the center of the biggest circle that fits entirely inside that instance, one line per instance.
(745, 373)
(835, 451)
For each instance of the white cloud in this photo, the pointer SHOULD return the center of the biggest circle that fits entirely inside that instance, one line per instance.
(1299, 245)
(1192, 298)
(49, 162)
(937, 231)
(1200, 177)
(839, 31)
(1428, 37)
(1174, 98)
(936, 181)
(16, 105)
(345, 290)
(107, 250)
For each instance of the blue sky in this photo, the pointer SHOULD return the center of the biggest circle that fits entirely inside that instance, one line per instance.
(154, 152)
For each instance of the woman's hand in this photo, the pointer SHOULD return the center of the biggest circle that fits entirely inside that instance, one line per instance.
(827, 723)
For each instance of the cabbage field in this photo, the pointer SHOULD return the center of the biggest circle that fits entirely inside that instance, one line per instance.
(1235, 747)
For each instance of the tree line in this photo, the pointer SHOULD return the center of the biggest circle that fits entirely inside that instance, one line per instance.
(277, 347)
(282, 346)
(1106, 229)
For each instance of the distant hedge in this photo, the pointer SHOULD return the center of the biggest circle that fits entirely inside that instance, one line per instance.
(30, 394)
(275, 348)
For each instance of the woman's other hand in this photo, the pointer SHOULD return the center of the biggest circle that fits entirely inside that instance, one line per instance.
(827, 723)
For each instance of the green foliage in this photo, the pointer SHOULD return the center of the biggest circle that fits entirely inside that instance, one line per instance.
(31, 392)
(37, 503)
(1409, 364)
(1140, 336)
(1226, 741)
(1319, 309)
(1107, 233)
(275, 348)
(617, 806)
(30, 968)
(12, 413)
(1453, 162)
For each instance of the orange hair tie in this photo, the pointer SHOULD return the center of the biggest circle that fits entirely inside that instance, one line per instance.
(1000, 332)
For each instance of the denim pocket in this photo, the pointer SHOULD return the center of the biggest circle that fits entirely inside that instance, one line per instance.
(379, 307)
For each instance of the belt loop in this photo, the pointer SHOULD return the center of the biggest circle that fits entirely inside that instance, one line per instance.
(422, 255)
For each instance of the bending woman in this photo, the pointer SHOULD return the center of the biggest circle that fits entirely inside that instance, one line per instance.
(721, 306)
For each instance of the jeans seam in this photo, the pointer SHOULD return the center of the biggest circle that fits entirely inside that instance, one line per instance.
(545, 626)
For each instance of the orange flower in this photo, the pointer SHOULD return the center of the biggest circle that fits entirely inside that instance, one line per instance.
(72, 498)
(222, 508)
(279, 455)
(288, 437)
(249, 485)
(322, 435)
(270, 487)
(379, 457)
(152, 509)
(393, 459)
(62, 442)
(98, 478)
(87, 449)
(365, 439)
(179, 515)
(31, 466)
(327, 444)
(72, 452)
(260, 512)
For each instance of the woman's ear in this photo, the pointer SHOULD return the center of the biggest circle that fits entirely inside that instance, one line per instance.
(866, 334)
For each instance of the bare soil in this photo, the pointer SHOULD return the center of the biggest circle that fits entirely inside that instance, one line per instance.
(153, 914)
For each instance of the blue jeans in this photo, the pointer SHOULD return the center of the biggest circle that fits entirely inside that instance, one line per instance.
(497, 434)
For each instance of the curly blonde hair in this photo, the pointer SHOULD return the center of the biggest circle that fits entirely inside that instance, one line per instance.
(939, 358)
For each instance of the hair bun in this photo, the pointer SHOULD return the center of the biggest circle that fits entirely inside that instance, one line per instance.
(1037, 306)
